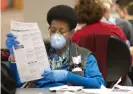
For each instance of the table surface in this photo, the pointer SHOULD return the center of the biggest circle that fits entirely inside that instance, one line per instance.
(37, 91)
(33, 91)
(46, 91)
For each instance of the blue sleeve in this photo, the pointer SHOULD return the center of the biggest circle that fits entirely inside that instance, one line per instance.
(92, 77)
(14, 71)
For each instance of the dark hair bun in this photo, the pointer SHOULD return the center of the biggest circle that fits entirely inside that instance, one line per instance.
(63, 12)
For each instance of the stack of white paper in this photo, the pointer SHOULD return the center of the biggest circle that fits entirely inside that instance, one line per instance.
(124, 87)
(103, 90)
(66, 88)
(100, 91)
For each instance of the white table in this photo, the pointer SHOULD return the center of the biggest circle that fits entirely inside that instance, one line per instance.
(33, 91)
(37, 91)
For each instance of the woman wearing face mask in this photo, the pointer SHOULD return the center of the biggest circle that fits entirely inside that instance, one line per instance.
(62, 54)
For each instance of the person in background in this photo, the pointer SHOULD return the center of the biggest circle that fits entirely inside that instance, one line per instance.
(8, 84)
(108, 4)
(125, 25)
(90, 13)
(125, 9)
(62, 20)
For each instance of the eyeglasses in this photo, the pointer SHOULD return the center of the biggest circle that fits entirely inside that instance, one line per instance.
(61, 30)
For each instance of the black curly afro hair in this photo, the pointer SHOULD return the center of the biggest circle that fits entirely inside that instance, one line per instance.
(63, 12)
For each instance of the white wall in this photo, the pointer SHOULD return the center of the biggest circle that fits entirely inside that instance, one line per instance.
(36, 11)
(6, 17)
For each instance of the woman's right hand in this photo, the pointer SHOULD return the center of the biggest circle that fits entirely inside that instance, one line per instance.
(10, 43)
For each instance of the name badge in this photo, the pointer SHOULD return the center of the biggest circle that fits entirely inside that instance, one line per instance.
(76, 60)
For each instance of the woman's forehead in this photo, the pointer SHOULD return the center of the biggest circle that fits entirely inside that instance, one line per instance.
(59, 23)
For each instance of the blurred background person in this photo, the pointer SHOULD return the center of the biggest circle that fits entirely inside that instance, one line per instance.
(125, 9)
(90, 13)
(8, 84)
(124, 24)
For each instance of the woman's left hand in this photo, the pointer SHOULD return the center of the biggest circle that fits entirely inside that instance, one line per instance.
(55, 75)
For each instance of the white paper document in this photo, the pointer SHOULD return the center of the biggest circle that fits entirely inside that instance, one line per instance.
(31, 57)
(104, 90)
(130, 88)
(100, 91)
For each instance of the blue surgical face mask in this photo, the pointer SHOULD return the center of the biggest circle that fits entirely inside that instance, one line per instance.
(57, 41)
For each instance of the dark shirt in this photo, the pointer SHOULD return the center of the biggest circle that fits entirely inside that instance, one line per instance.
(127, 28)
(131, 21)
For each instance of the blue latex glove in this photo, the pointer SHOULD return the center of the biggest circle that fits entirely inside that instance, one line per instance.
(10, 42)
(55, 75)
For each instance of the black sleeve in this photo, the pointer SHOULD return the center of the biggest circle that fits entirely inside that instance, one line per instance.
(130, 32)
(8, 84)
(127, 28)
